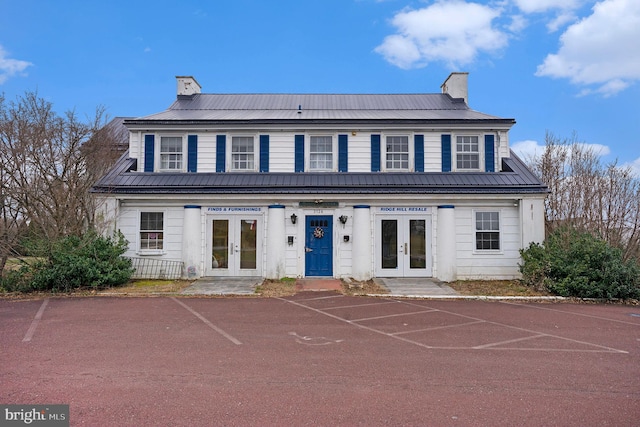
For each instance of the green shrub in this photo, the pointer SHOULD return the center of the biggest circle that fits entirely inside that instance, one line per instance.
(90, 261)
(577, 264)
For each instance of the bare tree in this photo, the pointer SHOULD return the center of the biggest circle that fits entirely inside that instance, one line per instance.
(44, 170)
(585, 194)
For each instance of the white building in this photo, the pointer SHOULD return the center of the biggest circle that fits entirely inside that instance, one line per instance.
(306, 185)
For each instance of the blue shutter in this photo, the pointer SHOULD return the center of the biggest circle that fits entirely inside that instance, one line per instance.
(299, 153)
(343, 153)
(489, 154)
(149, 147)
(192, 153)
(419, 152)
(446, 153)
(221, 152)
(375, 153)
(264, 153)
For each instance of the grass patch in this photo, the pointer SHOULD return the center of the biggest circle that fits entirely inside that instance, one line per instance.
(142, 287)
(362, 288)
(494, 288)
(277, 288)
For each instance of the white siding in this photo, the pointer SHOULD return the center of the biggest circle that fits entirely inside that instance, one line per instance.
(432, 152)
(360, 152)
(129, 224)
(281, 152)
(206, 152)
(472, 264)
(134, 145)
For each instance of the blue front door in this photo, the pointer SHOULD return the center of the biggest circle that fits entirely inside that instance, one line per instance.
(319, 245)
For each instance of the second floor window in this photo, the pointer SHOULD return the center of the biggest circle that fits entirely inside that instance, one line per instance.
(321, 153)
(242, 153)
(397, 153)
(467, 152)
(171, 153)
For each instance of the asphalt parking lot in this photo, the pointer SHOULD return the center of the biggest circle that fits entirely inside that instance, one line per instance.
(321, 358)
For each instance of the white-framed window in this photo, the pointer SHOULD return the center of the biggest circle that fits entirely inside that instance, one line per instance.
(151, 232)
(467, 152)
(171, 153)
(243, 153)
(321, 155)
(487, 230)
(397, 152)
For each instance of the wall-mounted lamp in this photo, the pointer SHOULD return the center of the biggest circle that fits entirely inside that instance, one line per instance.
(294, 218)
(343, 219)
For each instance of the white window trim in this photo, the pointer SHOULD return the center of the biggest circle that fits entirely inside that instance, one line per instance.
(157, 154)
(148, 252)
(383, 152)
(334, 152)
(500, 232)
(454, 150)
(229, 152)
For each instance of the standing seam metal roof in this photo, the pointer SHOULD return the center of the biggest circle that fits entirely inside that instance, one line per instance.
(515, 178)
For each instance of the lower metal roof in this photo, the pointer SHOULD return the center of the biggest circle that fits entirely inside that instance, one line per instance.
(514, 179)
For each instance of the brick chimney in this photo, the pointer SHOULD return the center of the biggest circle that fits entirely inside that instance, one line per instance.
(187, 86)
(456, 86)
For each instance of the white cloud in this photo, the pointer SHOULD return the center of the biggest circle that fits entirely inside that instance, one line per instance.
(452, 31)
(10, 67)
(518, 23)
(527, 149)
(634, 166)
(538, 6)
(601, 50)
(530, 149)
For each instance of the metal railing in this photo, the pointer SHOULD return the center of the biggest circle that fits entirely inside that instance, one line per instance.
(150, 268)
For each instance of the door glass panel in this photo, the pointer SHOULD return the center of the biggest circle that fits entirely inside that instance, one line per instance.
(220, 244)
(248, 244)
(389, 243)
(417, 244)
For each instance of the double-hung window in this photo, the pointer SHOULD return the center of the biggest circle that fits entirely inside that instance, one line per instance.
(487, 231)
(321, 153)
(243, 153)
(171, 153)
(397, 153)
(467, 152)
(151, 231)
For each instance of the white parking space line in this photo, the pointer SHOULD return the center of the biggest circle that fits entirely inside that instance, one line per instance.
(35, 322)
(473, 320)
(435, 328)
(393, 315)
(207, 322)
(360, 305)
(572, 313)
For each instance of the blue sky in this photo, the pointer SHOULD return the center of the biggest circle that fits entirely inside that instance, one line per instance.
(561, 66)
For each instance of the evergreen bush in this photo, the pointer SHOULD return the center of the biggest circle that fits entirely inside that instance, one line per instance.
(574, 263)
(90, 261)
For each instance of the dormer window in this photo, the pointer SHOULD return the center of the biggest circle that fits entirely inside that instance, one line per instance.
(243, 153)
(321, 153)
(171, 153)
(397, 153)
(467, 152)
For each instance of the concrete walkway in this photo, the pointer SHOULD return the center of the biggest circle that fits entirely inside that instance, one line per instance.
(415, 287)
(224, 286)
(400, 287)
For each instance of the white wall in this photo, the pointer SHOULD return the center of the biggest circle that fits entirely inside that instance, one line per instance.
(282, 153)
(472, 264)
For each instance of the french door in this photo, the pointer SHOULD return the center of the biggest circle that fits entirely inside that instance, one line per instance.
(403, 246)
(233, 247)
